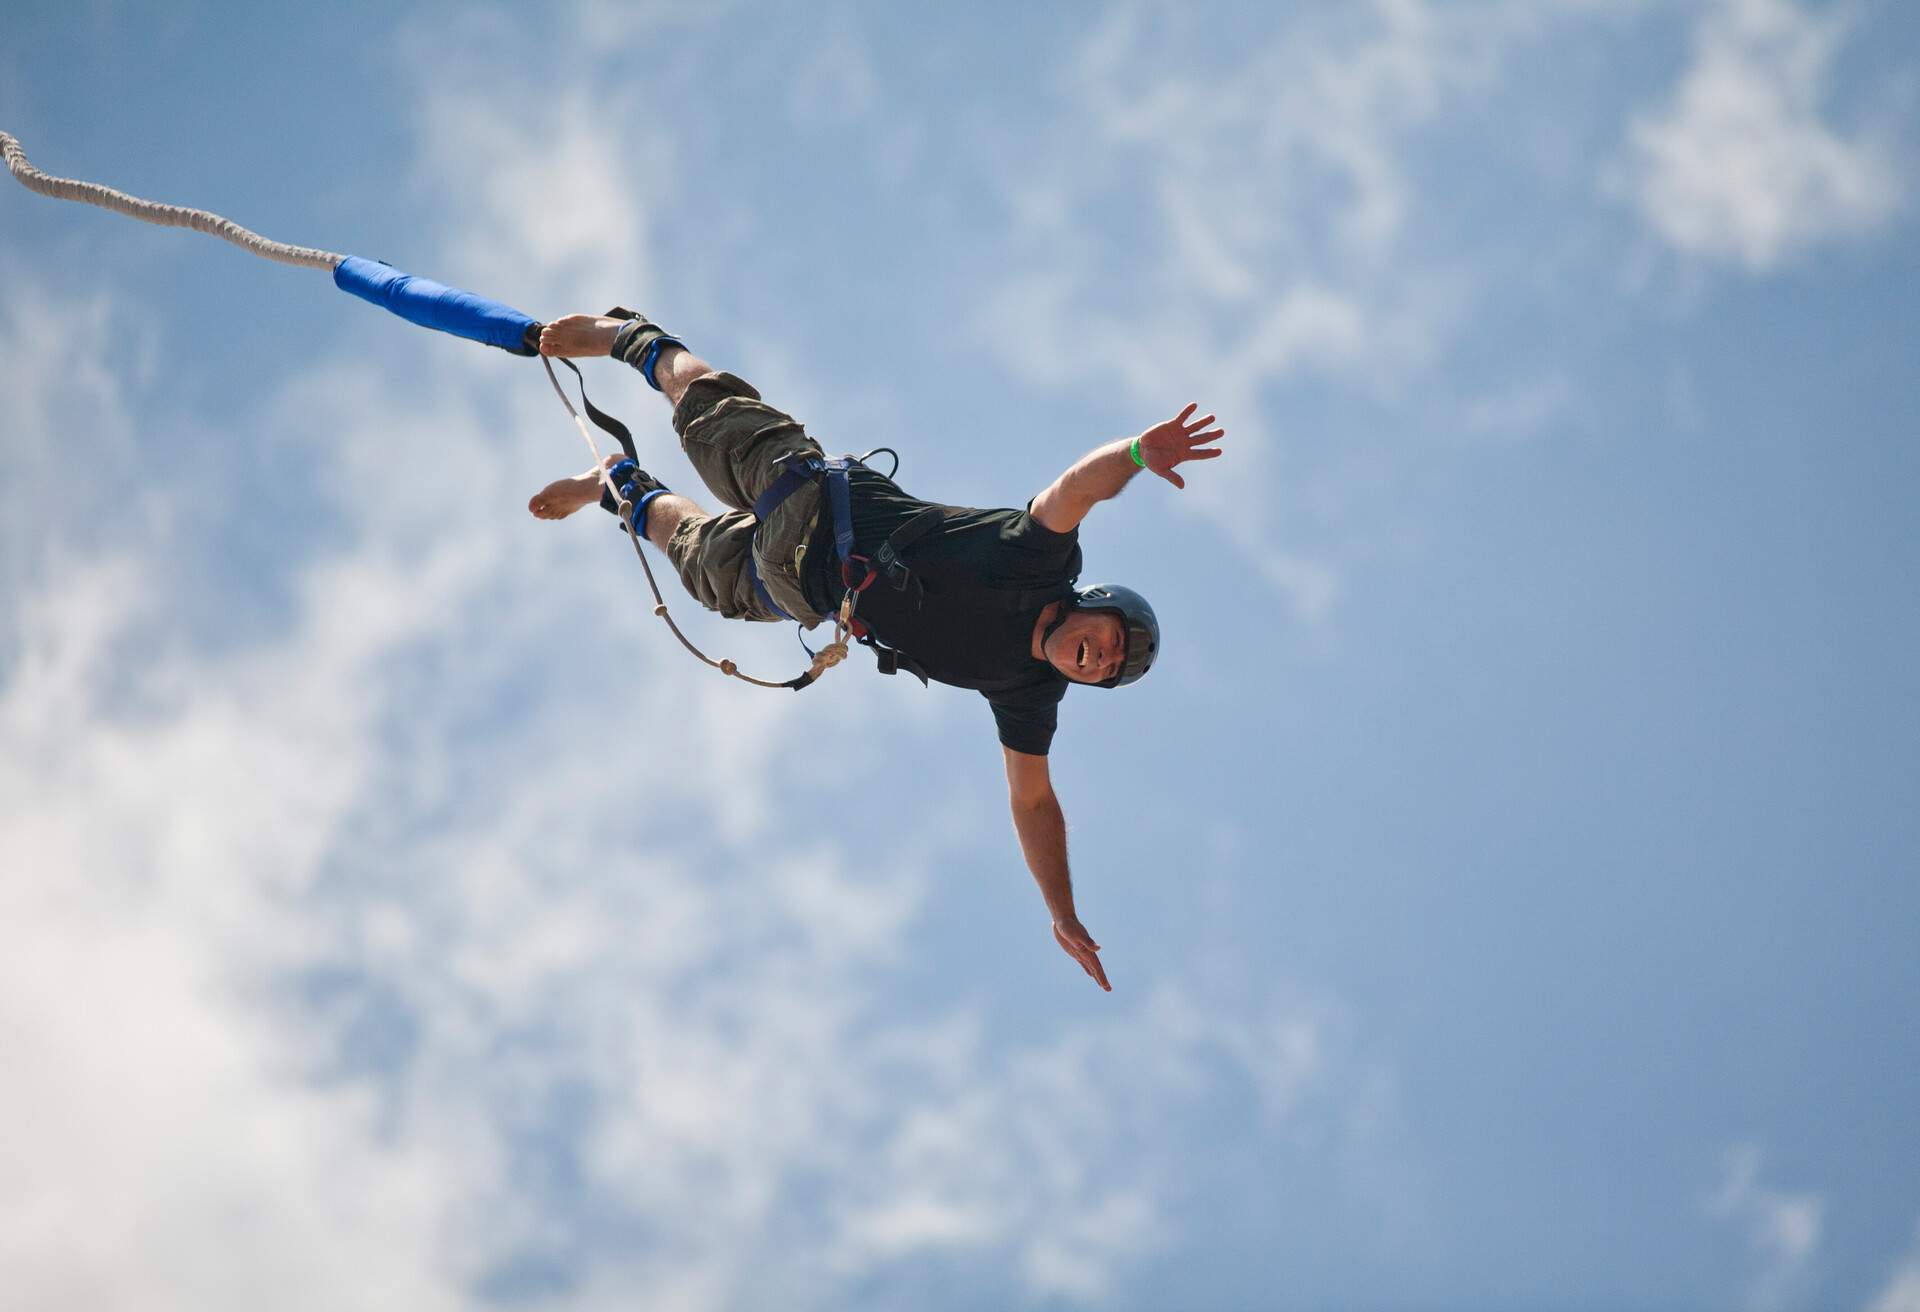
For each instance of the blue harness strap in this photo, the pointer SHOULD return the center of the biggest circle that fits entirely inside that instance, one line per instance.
(796, 475)
(804, 470)
(753, 572)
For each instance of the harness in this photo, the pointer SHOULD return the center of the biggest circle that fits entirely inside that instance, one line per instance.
(886, 562)
(857, 572)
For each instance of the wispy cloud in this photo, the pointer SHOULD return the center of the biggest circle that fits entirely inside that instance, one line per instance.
(835, 83)
(1521, 410)
(1782, 1229)
(1902, 1291)
(1742, 163)
(1274, 176)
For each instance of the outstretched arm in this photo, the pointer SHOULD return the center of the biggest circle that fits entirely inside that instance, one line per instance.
(1042, 827)
(1103, 471)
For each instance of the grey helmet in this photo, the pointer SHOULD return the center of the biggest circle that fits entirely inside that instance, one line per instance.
(1142, 629)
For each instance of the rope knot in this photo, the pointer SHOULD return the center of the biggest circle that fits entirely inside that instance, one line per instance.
(828, 657)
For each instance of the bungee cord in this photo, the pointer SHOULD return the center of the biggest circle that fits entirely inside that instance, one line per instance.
(167, 216)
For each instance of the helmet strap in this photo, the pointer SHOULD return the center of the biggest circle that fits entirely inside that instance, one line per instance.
(1066, 609)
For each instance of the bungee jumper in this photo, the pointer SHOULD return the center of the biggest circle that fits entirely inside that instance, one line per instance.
(982, 599)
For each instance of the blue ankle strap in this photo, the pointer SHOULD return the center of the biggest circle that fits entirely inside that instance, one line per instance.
(639, 517)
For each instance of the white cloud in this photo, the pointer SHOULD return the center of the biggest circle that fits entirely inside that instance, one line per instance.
(835, 84)
(152, 1153)
(1522, 409)
(1741, 165)
(556, 188)
(154, 1149)
(1051, 1161)
(551, 190)
(1902, 1291)
(1276, 180)
(51, 388)
(1782, 1229)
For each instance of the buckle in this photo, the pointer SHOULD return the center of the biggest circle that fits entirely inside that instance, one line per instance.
(807, 459)
(892, 566)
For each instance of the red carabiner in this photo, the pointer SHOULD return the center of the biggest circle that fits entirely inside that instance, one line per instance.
(846, 574)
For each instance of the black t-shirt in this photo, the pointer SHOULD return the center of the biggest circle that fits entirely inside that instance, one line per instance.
(979, 580)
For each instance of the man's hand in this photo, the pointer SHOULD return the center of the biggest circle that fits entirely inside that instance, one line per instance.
(1073, 936)
(1177, 441)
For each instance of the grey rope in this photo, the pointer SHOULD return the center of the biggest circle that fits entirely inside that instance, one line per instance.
(167, 216)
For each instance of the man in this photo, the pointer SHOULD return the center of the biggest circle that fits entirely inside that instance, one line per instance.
(980, 599)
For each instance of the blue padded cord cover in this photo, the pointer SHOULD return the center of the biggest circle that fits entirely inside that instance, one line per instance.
(434, 305)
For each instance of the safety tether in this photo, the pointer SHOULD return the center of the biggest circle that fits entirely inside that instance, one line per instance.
(431, 304)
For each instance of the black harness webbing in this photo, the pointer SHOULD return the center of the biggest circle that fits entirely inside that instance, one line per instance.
(887, 561)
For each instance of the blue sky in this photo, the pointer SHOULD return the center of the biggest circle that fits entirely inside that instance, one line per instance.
(1508, 879)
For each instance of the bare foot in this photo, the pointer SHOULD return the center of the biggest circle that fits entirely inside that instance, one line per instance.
(580, 335)
(563, 496)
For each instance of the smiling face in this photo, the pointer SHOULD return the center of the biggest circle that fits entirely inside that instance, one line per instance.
(1090, 647)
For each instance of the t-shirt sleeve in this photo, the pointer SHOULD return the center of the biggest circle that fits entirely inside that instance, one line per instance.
(1033, 528)
(1027, 717)
(1044, 554)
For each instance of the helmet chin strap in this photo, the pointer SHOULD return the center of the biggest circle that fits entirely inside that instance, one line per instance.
(1066, 609)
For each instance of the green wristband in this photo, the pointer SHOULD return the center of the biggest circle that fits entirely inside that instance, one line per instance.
(1134, 451)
